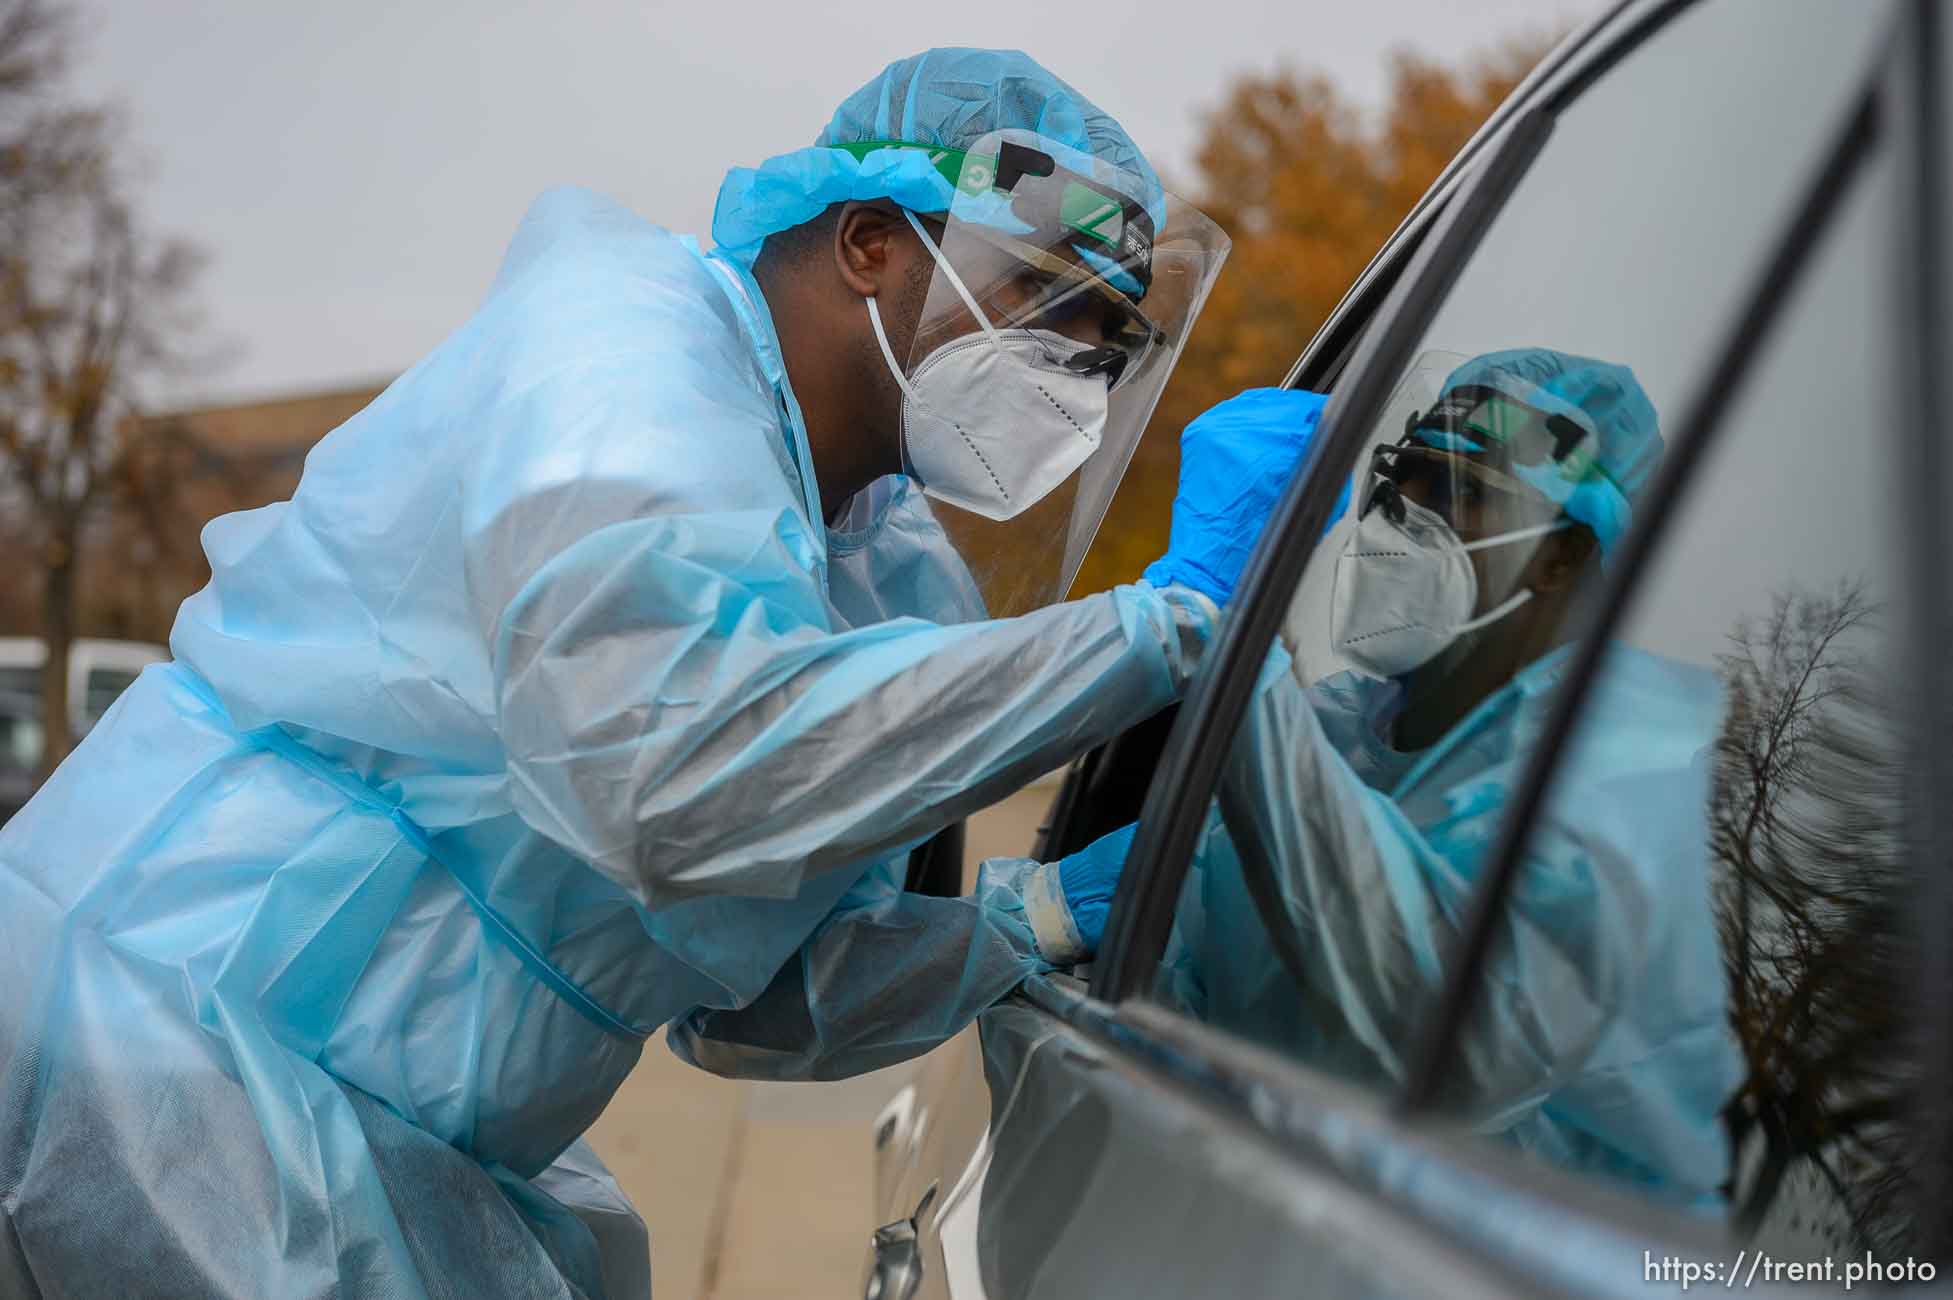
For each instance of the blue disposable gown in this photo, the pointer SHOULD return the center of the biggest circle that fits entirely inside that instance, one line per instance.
(529, 725)
(1601, 1041)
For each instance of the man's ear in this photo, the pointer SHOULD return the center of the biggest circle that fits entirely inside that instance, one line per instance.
(867, 241)
(1565, 558)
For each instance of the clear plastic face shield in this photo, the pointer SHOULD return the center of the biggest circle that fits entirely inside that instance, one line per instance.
(1061, 295)
(1460, 536)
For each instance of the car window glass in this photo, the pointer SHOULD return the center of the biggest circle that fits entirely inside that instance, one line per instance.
(1367, 785)
(1732, 803)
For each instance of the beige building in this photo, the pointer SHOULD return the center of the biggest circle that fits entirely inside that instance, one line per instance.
(144, 555)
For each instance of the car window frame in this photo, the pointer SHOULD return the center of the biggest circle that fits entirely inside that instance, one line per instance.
(1923, 137)
(1410, 284)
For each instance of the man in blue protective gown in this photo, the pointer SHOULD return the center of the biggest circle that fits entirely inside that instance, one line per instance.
(1371, 800)
(598, 676)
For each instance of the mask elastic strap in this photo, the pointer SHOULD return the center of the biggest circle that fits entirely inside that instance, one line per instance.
(955, 280)
(1524, 594)
(1518, 535)
(888, 353)
(1497, 612)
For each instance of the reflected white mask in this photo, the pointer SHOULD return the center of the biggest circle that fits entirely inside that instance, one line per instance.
(1405, 591)
(992, 422)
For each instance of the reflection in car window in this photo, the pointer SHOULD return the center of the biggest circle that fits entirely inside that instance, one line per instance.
(1369, 798)
(1777, 581)
(1368, 784)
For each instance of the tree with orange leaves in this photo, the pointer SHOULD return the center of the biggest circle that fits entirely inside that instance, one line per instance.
(1310, 188)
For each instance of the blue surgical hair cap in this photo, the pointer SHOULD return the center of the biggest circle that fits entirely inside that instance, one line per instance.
(950, 98)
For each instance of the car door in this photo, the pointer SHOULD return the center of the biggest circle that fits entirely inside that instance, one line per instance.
(1759, 274)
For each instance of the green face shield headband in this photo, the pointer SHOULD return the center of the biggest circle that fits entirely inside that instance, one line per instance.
(1110, 232)
(1508, 433)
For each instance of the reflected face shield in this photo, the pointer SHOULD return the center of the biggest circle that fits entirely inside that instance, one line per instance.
(1455, 508)
(1512, 436)
(1061, 295)
(1487, 461)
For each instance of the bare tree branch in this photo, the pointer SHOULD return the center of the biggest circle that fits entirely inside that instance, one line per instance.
(90, 311)
(1808, 831)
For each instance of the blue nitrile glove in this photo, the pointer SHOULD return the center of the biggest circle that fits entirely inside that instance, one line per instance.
(1089, 878)
(1235, 459)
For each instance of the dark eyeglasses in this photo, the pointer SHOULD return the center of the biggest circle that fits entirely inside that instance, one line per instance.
(1468, 492)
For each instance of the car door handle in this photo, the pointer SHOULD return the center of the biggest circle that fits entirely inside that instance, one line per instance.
(897, 1269)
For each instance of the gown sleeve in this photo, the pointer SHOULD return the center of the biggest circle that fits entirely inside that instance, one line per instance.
(886, 976)
(671, 714)
(1372, 902)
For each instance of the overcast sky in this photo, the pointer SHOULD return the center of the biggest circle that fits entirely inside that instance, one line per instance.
(355, 168)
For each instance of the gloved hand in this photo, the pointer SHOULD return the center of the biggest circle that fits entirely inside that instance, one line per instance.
(1089, 877)
(1235, 459)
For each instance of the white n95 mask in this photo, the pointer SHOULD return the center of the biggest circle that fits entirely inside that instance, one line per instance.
(1406, 589)
(992, 422)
